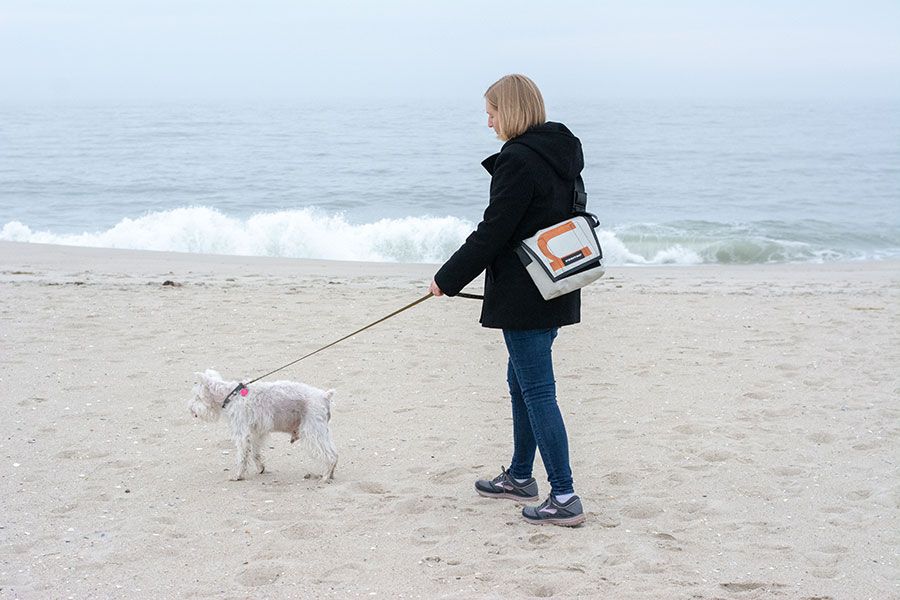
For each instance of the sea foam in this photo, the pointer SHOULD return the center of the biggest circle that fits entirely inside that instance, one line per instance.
(314, 233)
(305, 233)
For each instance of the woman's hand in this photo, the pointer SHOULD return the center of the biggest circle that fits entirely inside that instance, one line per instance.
(434, 289)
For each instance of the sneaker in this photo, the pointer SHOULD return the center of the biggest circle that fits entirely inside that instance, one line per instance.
(552, 512)
(504, 486)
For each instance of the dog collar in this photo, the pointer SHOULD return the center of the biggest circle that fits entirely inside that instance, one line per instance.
(240, 388)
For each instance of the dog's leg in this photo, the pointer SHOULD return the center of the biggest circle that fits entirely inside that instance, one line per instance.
(331, 457)
(318, 439)
(329, 472)
(257, 454)
(243, 453)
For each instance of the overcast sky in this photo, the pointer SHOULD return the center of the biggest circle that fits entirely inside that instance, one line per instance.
(223, 49)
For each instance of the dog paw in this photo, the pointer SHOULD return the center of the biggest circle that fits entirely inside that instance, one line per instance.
(262, 470)
(239, 478)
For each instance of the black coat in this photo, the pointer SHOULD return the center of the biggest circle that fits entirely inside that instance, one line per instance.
(532, 181)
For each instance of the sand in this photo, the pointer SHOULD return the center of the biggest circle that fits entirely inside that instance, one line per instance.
(734, 434)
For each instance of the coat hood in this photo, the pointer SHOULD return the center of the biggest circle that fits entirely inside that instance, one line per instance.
(555, 144)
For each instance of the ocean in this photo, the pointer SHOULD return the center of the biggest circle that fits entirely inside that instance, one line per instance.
(673, 182)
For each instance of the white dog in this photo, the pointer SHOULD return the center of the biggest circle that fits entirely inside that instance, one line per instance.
(284, 406)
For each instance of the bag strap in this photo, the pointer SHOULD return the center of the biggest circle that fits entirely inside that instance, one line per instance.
(579, 196)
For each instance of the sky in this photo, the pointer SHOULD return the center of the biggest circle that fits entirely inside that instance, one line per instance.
(121, 50)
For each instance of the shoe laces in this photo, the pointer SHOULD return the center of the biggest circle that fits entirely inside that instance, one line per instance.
(503, 476)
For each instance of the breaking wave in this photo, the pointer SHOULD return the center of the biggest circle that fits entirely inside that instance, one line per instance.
(313, 233)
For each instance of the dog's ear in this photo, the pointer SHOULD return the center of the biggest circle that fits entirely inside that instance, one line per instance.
(211, 375)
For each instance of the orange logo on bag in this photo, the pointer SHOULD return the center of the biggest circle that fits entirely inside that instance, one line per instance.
(557, 263)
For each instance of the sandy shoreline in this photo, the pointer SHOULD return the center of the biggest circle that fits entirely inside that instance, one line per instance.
(734, 434)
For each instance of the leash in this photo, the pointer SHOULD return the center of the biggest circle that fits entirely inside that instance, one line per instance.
(242, 387)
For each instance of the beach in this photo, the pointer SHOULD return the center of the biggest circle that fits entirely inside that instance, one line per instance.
(734, 433)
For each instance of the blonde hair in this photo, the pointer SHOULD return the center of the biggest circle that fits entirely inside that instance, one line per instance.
(518, 103)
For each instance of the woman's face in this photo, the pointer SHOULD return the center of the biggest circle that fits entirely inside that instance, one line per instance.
(492, 117)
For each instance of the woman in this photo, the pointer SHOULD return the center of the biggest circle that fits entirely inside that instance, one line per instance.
(532, 183)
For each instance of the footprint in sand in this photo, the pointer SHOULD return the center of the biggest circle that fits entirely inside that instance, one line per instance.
(81, 454)
(119, 464)
(260, 575)
(429, 536)
(538, 591)
(824, 573)
(641, 511)
(691, 510)
(749, 586)
(61, 510)
(449, 476)
(816, 383)
(163, 520)
(690, 429)
(651, 567)
(614, 560)
(272, 517)
(603, 518)
(667, 541)
(349, 571)
(301, 531)
(859, 494)
(414, 506)
(788, 471)
(619, 478)
(717, 455)
(821, 437)
(264, 556)
(540, 539)
(828, 556)
(834, 510)
(775, 413)
(871, 445)
(31, 401)
(370, 487)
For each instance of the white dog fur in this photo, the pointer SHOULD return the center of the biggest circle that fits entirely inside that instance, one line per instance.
(282, 406)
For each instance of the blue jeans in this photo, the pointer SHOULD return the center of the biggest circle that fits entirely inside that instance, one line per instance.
(537, 421)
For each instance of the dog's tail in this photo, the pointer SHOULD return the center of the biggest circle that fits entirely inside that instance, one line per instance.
(328, 395)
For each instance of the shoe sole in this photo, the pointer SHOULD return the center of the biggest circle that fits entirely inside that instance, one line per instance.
(568, 522)
(507, 496)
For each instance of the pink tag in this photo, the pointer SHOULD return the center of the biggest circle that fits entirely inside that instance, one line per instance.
(244, 392)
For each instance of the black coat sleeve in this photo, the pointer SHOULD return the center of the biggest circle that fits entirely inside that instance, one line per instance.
(512, 190)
